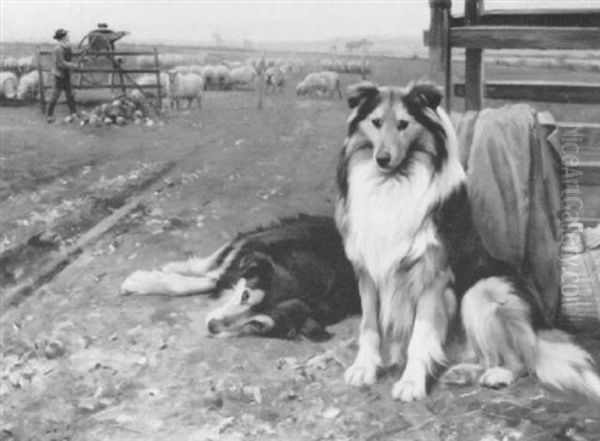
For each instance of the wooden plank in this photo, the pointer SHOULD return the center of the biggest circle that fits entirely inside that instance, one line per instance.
(109, 86)
(103, 53)
(42, 85)
(439, 47)
(158, 85)
(579, 139)
(536, 17)
(590, 174)
(116, 70)
(473, 61)
(525, 37)
(558, 92)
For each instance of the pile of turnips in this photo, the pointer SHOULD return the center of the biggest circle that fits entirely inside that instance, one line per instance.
(120, 112)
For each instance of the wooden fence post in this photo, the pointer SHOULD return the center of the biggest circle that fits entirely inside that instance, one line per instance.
(42, 86)
(473, 60)
(439, 46)
(158, 85)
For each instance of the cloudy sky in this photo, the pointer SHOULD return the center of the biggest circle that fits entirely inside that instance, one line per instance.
(187, 21)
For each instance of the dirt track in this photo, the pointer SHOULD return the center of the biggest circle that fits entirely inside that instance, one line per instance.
(80, 362)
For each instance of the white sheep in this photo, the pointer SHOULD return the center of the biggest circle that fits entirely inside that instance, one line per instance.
(11, 64)
(8, 85)
(332, 81)
(317, 83)
(186, 86)
(243, 76)
(196, 69)
(25, 64)
(29, 85)
(222, 76)
(210, 77)
(274, 79)
(150, 80)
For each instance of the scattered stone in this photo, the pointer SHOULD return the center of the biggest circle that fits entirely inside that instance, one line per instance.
(331, 413)
(54, 349)
(291, 362)
(91, 404)
(225, 424)
(252, 392)
(288, 395)
(213, 399)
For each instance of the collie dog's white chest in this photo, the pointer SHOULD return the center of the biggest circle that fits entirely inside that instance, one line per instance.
(386, 218)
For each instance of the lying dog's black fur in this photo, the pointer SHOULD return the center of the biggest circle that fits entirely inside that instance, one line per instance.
(283, 280)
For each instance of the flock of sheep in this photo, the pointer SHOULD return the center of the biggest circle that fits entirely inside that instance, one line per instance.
(18, 78)
(340, 65)
(186, 77)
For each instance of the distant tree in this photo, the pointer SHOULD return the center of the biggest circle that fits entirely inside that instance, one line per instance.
(247, 44)
(333, 48)
(355, 45)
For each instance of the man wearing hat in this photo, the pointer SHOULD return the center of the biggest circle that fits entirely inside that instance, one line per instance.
(61, 73)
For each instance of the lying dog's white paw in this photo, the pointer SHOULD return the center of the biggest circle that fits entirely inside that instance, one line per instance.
(497, 377)
(409, 390)
(180, 267)
(143, 282)
(361, 373)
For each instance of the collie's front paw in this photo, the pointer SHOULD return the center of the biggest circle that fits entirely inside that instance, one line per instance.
(361, 373)
(143, 282)
(497, 377)
(409, 390)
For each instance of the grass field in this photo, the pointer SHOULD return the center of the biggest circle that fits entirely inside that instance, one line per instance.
(144, 369)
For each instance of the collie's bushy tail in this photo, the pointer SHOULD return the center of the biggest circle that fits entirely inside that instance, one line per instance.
(562, 364)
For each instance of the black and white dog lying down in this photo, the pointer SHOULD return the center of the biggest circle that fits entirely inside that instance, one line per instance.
(284, 280)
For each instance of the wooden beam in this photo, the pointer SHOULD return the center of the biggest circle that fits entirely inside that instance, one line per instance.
(473, 61)
(557, 92)
(536, 17)
(109, 86)
(115, 70)
(102, 53)
(525, 37)
(590, 174)
(439, 47)
(579, 139)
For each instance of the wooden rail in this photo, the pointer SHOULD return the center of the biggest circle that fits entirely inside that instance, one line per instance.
(535, 17)
(525, 37)
(547, 91)
(102, 53)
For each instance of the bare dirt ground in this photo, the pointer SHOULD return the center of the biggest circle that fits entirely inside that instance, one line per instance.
(80, 362)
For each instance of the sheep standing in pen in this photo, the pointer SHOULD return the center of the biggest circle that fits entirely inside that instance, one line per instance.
(187, 86)
(150, 80)
(8, 85)
(244, 76)
(29, 85)
(274, 79)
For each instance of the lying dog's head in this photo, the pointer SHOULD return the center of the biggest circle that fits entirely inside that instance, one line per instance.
(396, 126)
(262, 300)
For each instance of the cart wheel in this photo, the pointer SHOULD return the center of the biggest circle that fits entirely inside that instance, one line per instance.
(94, 43)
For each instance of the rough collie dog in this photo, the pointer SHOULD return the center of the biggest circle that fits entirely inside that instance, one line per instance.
(284, 280)
(404, 215)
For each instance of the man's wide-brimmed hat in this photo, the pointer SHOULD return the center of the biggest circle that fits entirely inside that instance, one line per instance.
(60, 33)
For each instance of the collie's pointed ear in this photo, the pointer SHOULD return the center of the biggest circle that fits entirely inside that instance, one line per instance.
(360, 91)
(426, 95)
